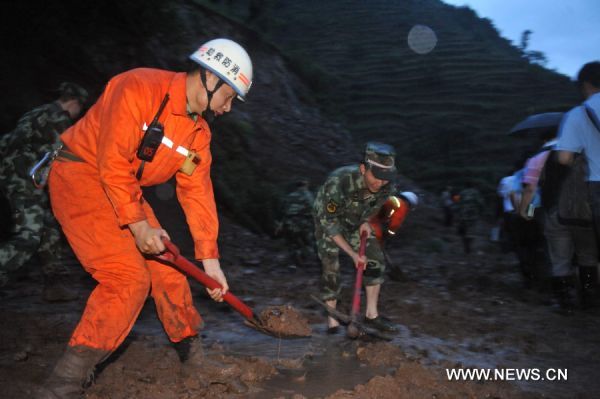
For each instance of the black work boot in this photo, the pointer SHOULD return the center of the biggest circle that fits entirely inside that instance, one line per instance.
(380, 323)
(74, 369)
(588, 276)
(209, 371)
(564, 301)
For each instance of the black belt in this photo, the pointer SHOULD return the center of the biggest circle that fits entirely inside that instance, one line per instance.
(64, 153)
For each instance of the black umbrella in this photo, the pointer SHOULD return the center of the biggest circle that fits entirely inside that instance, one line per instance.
(538, 123)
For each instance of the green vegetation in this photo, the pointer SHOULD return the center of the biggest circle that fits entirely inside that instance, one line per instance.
(447, 112)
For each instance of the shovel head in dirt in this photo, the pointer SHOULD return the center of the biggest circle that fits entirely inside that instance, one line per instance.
(173, 257)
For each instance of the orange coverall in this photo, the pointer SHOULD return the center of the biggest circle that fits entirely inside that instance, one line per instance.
(96, 199)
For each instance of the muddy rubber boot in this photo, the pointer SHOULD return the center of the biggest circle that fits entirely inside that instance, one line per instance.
(74, 369)
(588, 276)
(564, 301)
(210, 371)
(55, 290)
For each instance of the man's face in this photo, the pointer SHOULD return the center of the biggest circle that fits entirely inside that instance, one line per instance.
(373, 184)
(587, 90)
(222, 99)
(197, 95)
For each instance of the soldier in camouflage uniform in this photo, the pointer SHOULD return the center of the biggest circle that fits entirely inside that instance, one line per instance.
(470, 207)
(34, 228)
(343, 206)
(296, 225)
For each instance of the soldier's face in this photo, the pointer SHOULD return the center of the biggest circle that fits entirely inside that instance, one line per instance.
(373, 184)
(73, 107)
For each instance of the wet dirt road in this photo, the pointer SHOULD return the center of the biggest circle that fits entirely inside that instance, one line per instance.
(453, 311)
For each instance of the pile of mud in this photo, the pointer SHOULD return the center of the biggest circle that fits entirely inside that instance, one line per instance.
(284, 321)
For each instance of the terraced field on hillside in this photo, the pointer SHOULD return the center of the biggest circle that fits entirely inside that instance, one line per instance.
(447, 111)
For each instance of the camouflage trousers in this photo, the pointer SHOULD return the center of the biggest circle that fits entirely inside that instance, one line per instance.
(328, 252)
(34, 231)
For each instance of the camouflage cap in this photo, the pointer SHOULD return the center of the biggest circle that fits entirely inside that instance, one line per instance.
(73, 90)
(380, 159)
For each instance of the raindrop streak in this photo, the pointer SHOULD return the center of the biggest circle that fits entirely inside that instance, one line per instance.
(421, 39)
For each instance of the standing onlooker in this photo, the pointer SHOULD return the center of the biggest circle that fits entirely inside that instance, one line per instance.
(563, 241)
(470, 207)
(506, 210)
(526, 234)
(580, 133)
(447, 203)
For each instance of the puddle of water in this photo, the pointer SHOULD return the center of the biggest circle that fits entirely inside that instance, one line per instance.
(335, 367)
(329, 363)
(436, 349)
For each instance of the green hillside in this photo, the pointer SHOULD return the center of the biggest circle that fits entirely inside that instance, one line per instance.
(447, 111)
(328, 76)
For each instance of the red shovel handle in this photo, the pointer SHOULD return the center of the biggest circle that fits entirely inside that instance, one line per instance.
(359, 276)
(172, 256)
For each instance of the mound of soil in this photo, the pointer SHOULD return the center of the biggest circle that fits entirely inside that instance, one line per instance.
(284, 321)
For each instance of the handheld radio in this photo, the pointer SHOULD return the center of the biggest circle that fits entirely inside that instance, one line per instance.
(153, 136)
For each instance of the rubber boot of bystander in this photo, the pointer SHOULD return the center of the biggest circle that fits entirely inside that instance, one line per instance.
(589, 286)
(564, 301)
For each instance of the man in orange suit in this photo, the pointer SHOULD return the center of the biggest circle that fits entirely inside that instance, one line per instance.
(147, 126)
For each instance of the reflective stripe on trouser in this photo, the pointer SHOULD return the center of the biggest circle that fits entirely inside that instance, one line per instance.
(110, 255)
(329, 254)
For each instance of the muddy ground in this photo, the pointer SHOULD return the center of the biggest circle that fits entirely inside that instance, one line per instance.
(453, 311)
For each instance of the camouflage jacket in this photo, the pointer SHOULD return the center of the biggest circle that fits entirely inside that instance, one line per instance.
(37, 132)
(298, 203)
(343, 203)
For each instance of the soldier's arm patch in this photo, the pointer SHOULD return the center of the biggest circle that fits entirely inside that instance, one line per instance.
(332, 206)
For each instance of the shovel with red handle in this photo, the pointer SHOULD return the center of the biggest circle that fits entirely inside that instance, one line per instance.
(173, 256)
(353, 331)
(355, 328)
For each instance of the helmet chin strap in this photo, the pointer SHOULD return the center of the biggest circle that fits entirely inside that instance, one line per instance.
(208, 113)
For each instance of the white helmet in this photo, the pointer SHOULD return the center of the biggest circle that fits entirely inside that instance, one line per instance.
(229, 61)
(411, 197)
